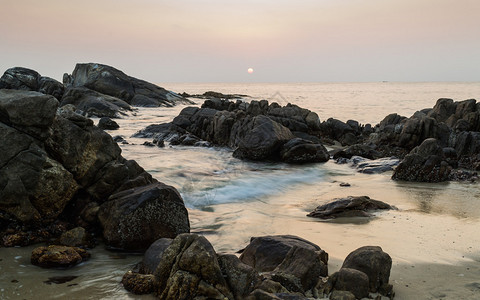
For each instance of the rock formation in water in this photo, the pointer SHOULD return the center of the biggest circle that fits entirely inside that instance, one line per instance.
(94, 89)
(256, 130)
(270, 267)
(58, 170)
(360, 206)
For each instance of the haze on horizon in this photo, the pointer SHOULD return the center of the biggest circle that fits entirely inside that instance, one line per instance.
(217, 41)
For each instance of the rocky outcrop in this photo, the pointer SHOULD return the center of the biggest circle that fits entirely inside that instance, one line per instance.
(360, 206)
(425, 163)
(56, 165)
(110, 81)
(106, 123)
(270, 267)
(55, 256)
(29, 80)
(256, 130)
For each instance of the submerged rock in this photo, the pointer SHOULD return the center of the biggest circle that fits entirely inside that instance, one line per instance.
(351, 206)
(55, 256)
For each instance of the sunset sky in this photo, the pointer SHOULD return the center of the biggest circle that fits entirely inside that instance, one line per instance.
(218, 40)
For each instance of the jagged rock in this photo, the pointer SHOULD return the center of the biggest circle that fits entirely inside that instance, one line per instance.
(351, 280)
(190, 269)
(76, 237)
(350, 206)
(133, 219)
(106, 123)
(19, 78)
(92, 103)
(241, 278)
(55, 256)
(138, 284)
(113, 82)
(372, 261)
(267, 252)
(424, 163)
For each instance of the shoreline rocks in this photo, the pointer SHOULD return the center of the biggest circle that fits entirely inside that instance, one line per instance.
(270, 267)
(351, 206)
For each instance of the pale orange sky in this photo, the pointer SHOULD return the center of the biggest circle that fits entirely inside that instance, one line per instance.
(217, 41)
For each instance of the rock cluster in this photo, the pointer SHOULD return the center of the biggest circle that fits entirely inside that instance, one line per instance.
(270, 267)
(257, 130)
(56, 165)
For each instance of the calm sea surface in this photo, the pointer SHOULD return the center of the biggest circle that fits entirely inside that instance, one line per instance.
(435, 228)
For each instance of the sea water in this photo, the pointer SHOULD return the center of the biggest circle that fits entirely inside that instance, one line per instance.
(432, 238)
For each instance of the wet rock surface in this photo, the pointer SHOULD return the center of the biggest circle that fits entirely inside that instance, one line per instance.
(351, 206)
(55, 256)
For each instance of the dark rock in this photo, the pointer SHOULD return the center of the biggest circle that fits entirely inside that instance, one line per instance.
(302, 151)
(362, 150)
(267, 252)
(153, 255)
(133, 219)
(148, 144)
(372, 261)
(342, 295)
(259, 294)
(241, 278)
(138, 284)
(339, 131)
(76, 237)
(190, 269)
(424, 163)
(345, 184)
(92, 103)
(110, 81)
(350, 206)
(106, 123)
(301, 269)
(29, 80)
(263, 139)
(353, 281)
(58, 256)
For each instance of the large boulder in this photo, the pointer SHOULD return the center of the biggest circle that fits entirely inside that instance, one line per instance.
(133, 219)
(424, 163)
(300, 151)
(372, 261)
(190, 269)
(19, 78)
(265, 253)
(240, 277)
(263, 139)
(351, 280)
(154, 254)
(360, 206)
(113, 82)
(35, 188)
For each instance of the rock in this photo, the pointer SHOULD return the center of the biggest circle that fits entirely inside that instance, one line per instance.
(362, 150)
(241, 278)
(190, 269)
(352, 280)
(267, 252)
(339, 131)
(302, 151)
(342, 295)
(138, 284)
(92, 103)
(360, 206)
(301, 269)
(106, 123)
(29, 80)
(76, 237)
(133, 219)
(55, 256)
(110, 81)
(375, 166)
(263, 139)
(424, 163)
(372, 261)
(36, 188)
(153, 255)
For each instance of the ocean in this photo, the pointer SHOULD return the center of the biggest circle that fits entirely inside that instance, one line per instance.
(432, 238)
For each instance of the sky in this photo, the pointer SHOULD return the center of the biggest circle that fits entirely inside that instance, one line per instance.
(218, 40)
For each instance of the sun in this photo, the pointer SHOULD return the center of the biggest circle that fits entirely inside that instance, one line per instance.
(250, 70)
